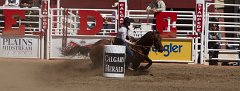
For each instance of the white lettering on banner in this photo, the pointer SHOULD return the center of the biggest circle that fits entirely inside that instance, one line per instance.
(122, 4)
(121, 12)
(122, 8)
(199, 12)
(45, 14)
(199, 17)
(169, 26)
(199, 26)
(121, 19)
(121, 15)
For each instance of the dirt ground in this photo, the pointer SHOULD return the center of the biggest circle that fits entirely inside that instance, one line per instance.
(76, 75)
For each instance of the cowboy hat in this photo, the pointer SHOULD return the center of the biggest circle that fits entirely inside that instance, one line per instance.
(127, 20)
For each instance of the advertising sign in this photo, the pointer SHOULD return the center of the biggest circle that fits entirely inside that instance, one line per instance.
(177, 50)
(19, 47)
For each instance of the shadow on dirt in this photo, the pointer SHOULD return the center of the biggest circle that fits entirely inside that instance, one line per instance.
(79, 68)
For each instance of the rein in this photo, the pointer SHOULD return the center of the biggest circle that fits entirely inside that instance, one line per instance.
(142, 46)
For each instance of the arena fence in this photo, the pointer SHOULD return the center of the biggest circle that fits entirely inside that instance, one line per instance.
(229, 27)
(65, 23)
(28, 46)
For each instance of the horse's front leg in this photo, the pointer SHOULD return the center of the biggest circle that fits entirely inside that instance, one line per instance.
(128, 61)
(148, 65)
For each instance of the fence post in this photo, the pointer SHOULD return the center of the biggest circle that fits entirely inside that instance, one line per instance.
(200, 4)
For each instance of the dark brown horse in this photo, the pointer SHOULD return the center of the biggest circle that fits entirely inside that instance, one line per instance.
(141, 50)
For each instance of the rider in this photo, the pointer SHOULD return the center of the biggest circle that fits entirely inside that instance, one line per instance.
(122, 37)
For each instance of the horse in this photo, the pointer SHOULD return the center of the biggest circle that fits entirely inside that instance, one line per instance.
(140, 49)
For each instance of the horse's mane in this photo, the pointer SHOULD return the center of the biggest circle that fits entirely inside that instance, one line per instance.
(145, 39)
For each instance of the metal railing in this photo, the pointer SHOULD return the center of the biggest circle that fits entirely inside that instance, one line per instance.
(32, 21)
(230, 34)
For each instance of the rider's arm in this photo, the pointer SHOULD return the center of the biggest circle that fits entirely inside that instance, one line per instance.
(127, 41)
(150, 7)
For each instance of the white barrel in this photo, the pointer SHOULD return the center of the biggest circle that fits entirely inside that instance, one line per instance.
(114, 61)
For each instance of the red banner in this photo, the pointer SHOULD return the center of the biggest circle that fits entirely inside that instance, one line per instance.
(199, 17)
(45, 14)
(11, 19)
(163, 24)
(121, 12)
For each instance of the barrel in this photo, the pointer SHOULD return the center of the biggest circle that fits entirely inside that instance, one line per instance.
(114, 61)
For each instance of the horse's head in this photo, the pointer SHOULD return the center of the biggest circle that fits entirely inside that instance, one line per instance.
(157, 41)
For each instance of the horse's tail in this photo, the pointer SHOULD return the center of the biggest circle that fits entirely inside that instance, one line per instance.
(74, 50)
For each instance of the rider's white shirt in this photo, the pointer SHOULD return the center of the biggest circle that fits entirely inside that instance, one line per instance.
(122, 33)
